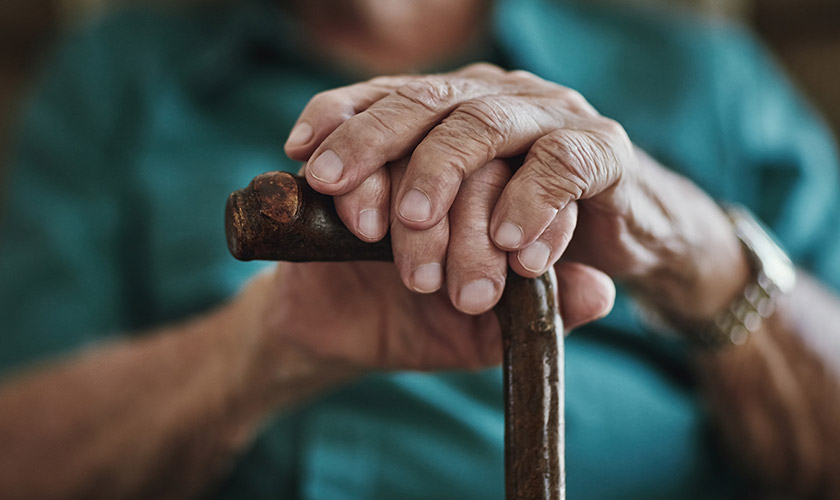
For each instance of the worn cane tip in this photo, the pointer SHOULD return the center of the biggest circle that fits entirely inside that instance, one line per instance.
(258, 216)
(279, 196)
(279, 217)
(236, 226)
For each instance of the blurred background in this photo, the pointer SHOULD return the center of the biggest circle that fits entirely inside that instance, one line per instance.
(805, 35)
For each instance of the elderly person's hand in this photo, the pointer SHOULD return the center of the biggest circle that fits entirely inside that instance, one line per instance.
(358, 315)
(580, 176)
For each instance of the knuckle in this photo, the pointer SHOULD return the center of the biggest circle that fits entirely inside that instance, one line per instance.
(381, 123)
(484, 120)
(450, 152)
(433, 94)
(373, 190)
(553, 186)
(610, 145)
(482, 67)
(563, 149)
(613, 130)
(523, 77)
(575, 102)
(382, 81)
(563, 164)
(331, 102)
(328, 98)
(572, 95)
(521, 73)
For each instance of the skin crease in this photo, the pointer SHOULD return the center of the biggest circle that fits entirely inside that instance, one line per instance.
(95, 419)
(618, 211)
(165, 415)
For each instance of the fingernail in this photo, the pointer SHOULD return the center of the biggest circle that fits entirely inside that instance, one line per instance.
(476, 296)
(370, 223)
(509, 235)
(416, 206)
(427, 278)
(535, 256)
(327, 167)
(300, 134)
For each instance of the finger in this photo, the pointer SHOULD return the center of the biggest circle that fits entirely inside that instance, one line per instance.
(475, 267)
(503, 122)
(476, 132)
(420, 256)
(387, 130)
(585, 294)
(561, 167)
(536, 258)
(365, 210)
(327, 110)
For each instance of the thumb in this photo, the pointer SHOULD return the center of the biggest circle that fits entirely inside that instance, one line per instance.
(585, 293)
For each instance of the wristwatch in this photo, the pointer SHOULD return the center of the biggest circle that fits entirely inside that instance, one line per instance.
(774, 275)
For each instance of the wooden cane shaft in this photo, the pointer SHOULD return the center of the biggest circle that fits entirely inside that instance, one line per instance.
(279, 217)
(534, 388)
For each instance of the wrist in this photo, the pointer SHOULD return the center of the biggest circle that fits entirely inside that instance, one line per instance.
(773, 276)
(734, 316)
(698, 263)
(695, 288)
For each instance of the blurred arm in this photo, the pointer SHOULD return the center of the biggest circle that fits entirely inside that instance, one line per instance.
(777, 398)
(160, 417)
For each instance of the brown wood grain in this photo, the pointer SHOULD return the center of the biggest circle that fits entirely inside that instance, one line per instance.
(279, 217)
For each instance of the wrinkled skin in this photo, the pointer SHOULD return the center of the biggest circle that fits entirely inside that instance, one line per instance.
(582, 190)
(389, 327)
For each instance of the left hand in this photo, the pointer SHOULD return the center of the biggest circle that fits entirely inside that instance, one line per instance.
(359, 313)
(581, 176)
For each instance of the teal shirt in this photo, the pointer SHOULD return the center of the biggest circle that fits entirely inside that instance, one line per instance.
(144, 121)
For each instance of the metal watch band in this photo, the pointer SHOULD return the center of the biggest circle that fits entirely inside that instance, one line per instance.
(743, 316)
(774, 276)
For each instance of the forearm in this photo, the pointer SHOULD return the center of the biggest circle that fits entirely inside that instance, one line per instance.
(777, 398)
(159, 417)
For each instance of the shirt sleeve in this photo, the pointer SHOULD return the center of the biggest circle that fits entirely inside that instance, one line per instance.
(59, 240)
(785, 157)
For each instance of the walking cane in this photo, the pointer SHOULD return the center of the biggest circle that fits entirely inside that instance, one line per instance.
(279, 217)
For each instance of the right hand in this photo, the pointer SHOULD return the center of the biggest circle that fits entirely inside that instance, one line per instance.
(360, 313)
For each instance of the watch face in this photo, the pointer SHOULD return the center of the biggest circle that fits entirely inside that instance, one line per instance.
(767, 254)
